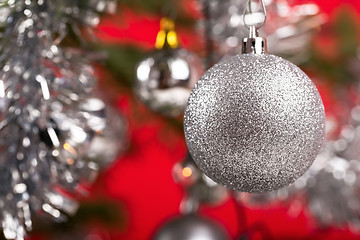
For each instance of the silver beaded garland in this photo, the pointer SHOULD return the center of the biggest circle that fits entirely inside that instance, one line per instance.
(254, 122)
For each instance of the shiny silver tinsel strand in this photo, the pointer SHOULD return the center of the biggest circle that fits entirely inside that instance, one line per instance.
(61, 14)
(49, 117)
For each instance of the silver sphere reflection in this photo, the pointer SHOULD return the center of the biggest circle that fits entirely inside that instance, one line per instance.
(165, 78)
(191, 227)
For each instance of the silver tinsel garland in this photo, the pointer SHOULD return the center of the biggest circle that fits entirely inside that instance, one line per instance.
(49, 116)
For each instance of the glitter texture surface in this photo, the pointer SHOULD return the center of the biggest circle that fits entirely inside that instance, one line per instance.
(254, 123)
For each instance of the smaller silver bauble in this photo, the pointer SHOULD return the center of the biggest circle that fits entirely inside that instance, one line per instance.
(191, 227)
(165, 78)
(186, 173)
(109, 141)
(198, 186)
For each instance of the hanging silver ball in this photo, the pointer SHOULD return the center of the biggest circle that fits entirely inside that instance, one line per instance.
(254, 123)
(198, 186)
(165, 78)
(191, 227)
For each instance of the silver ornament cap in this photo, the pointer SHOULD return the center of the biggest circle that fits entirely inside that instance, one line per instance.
(254, 122)
(254, 44)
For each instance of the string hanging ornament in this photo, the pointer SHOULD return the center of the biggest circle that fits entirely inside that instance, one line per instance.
(198, 190)
(289, 32)
(254, 122)
(198, 187)
(166, 76)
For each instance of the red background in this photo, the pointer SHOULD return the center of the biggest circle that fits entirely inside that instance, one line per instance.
(141, 181)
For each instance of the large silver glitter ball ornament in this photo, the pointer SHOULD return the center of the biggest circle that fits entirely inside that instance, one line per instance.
(254, 123)
(165, 78)
(191, 227)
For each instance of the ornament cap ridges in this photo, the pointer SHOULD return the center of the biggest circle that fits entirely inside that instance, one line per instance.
(254, 44)
(257, 45)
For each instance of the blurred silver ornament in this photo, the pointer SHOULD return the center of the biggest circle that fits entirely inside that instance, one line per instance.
(289, 30)
(254, 122)
(186, 173)
(191, 227)
(109, 141)
(198, 187)
(165, 78)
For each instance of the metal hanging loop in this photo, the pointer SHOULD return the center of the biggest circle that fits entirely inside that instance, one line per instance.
(254, 44)
(250, 16)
